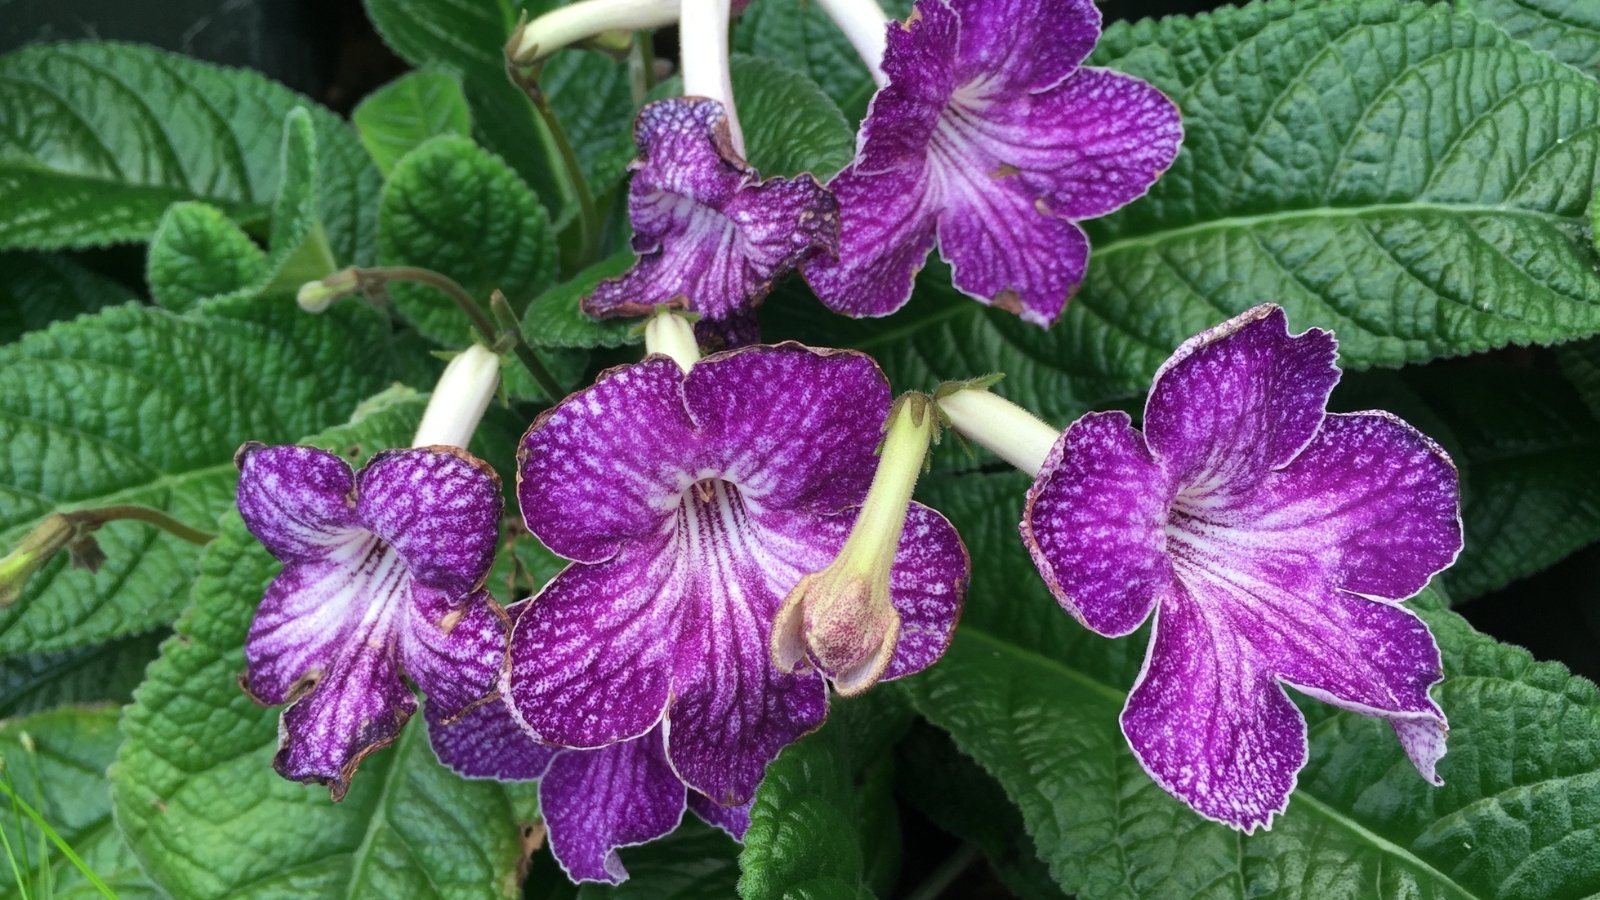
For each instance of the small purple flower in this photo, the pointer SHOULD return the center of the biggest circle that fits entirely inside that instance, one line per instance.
(382, 577)
(691, 504)
(991, 138)
(710, 234)
(1272, 540)
(592, 801)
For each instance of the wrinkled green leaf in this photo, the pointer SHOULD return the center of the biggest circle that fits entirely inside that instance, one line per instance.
(109, 409)
(460, 211)
(102, 138)
(193, 783)
(102, 673)
(198, 252)
(405, 113)
(42, 288)
(62, 775)
(1580, 361)
(800, 35)
(1035, 699)
(1569, 30)
(555, 319)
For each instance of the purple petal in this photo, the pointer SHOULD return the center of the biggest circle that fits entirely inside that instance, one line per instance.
(488, 743)
(887, 225)
(358, 708)
(1239, 399)
(794, 427)
(708, 232)
(315, 611)
(1210, 728)
(1023, 45)
(927, 586)
(735, 820)
(1095, 521)
(439, 507)
(591, 657)
(1094, 144)
(595, 801)
(740, 328)
(587, 483)
(1005, 248)
(453, 647)
(297, 501)
(732, 711)
(904, 116)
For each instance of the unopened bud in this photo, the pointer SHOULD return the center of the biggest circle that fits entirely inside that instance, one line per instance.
(842, 619)
(48, 538)
(996, 424)
(316, 296)
(671, 333)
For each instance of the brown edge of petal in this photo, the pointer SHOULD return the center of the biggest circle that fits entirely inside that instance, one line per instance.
(339, 785)
(1046, 571)
(630, 309)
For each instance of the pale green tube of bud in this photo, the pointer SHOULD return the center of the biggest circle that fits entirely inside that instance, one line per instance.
(842, 619)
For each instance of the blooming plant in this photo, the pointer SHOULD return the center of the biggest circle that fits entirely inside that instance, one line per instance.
(591, 390)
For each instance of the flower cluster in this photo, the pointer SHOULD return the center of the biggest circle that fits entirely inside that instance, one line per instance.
(739, 528)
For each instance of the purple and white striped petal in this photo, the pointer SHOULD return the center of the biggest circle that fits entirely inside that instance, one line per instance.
(487, 742)
(596, 801)
(710, 234)
(1274, 542)
(439, 508)
(299, 502)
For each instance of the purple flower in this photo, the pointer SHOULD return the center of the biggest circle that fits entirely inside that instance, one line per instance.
(382, 577)
(592, 801)
(992, 138)
(1272, 540)
(691, 504)
(710, 234)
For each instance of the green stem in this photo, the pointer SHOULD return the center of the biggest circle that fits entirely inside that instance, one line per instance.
(642, 66)
(508, 321)
(588, 215)
(94, 518)
(61, 845)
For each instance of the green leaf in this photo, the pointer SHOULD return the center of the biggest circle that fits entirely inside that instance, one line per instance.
(1569, 30)
(193, 783)
(1034, 699)
(102, 673)
(403, 114)
(102, 138)
(694, 861)
(593, 100)
(1403, 174)
(59, 769)
(555, 318)
(110, 409)
(460, 211)
(42, 288)
(809, 827)
(1580, 361)
(198, 252)
(800, 35)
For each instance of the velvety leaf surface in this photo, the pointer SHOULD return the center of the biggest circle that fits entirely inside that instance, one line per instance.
(1567, 29)
(1518, 816)
(105, 410)
(554, 318)
(405, 113)
(1405, 174)
(460, 211)
(101, 138)
(106, 672)
(801, 36)
(41, 288)
(56, 761)
(194, 787)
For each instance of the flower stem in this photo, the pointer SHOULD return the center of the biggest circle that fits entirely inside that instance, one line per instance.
(541, 373)
(459, 399)
(703, 58)
(642, 66)
(497, 338)
(864, 24)
(588, 215)
(579, 23)
(94, 518)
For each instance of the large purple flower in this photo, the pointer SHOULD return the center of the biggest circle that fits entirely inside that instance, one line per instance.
(592, 801)
(1272, 540)
(382, 576)
(691, 504)
(710, 234)
(992, 137)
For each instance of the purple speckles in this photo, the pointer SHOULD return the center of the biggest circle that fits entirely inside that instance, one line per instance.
(991, 140)
(685, 545)
(711, 236)
(1272, 540)
(381, 579)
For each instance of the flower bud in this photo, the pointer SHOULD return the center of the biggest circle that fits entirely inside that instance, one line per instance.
(459, 399)
(996, 424)
(842, 619)
(46, 539)
(316, 296)
(672, 334)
